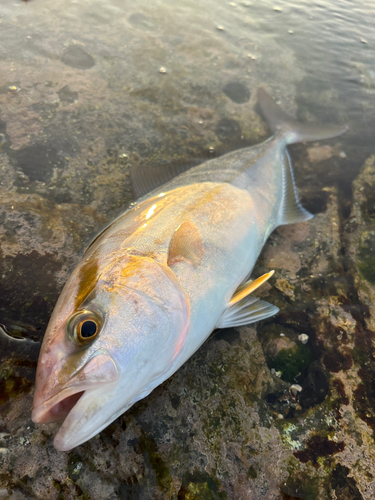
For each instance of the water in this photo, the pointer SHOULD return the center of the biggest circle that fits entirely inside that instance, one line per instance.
(88, 88)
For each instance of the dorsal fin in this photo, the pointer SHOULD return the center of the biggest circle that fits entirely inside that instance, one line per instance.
(186, 243)
(146, 178)
(291, 210)
(249, 287)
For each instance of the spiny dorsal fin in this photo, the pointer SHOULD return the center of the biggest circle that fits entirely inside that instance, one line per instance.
(145, 178)
(186, 244)
(249, 287)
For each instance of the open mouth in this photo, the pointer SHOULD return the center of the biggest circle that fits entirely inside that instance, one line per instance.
(61, 409)
(99, 371)
(56, 408)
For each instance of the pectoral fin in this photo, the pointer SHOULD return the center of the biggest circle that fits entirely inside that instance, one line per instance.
(249, 287)
(186, 244)
(246, 311)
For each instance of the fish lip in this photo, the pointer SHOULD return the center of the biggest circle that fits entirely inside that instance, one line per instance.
(65, 440)
(41, 413)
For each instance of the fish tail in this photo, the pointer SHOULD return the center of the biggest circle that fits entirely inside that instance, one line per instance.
(293, 130)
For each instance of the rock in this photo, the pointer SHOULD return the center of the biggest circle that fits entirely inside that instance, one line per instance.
(360, 235)
(320, 153)
(303, 338)
(278, 344)
(76, 57)
(237, 92)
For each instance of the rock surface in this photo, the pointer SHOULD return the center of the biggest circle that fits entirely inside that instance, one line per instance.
(77, 107)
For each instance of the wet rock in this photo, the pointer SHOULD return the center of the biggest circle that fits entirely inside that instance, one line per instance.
(343, 485)
(39, 243)
(320, 153)
(318, 447)
(38, 161)
(142, 22)
(358, 238)
(230, 335)
(315, 387)
(21, 124)
(76, 57)
(273, 348)
(292, 362)
(286, 287)
(67, 95)
(228, 130)
(237, 92)
(361, 238)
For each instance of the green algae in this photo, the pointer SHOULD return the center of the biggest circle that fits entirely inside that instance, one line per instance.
(200, 486)
(292, 362)
(367, 266)
(74, 468)
(289, 434)
(252, 472)
(304, 488)
(345, 487)
(366, 254)
(304, 482)
(148, 446)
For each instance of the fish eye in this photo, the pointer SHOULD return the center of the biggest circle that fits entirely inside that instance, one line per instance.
(88, 329)
(84, 327)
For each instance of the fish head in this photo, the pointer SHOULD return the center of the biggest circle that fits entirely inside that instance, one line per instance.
(112, 338)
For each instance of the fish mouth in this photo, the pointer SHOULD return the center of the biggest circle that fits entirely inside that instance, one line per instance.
(58, 407)
(98, 375)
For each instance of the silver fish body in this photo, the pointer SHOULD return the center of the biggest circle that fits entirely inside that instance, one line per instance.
(155, 283)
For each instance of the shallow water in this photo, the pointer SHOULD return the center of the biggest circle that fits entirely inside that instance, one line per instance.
(90, 87)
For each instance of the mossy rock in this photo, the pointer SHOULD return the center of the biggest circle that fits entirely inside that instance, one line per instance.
(293, 362)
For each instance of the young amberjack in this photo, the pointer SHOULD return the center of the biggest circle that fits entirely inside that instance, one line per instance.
(155, 283)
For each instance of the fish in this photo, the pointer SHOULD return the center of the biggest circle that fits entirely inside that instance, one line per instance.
(155, 283)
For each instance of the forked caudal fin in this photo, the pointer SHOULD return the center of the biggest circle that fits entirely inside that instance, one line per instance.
(291, 210)
(294, 131)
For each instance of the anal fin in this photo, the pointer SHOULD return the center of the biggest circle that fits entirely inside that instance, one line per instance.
(291, 210)
(246, 311)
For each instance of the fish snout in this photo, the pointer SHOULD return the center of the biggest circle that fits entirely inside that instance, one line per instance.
(53, 401)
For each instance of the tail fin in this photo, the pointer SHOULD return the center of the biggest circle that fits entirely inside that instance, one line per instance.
(294, 131)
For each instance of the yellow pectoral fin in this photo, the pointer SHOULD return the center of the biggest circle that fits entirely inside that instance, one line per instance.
(249, 287)
(186, 244)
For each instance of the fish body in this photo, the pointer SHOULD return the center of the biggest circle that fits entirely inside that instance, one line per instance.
(155, 283)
